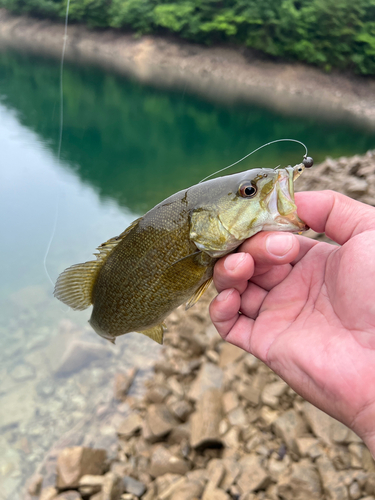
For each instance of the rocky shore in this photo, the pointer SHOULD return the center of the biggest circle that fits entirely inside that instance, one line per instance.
(214, 423)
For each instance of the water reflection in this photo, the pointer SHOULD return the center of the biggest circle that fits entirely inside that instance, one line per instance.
(125, 147)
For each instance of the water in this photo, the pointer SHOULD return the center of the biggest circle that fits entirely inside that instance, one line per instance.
(125, 147)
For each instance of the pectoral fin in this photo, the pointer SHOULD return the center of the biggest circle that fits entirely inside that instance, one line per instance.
(198, 294)
(155, 333)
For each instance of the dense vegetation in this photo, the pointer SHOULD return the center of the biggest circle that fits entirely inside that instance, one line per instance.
(327, 33)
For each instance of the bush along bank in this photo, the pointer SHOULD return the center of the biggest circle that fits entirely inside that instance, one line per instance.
(215, 423)
(326, 33)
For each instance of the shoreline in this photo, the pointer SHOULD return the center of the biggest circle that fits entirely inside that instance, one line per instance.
(216, 73)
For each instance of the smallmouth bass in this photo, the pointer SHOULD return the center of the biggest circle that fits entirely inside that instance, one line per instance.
(166, 258)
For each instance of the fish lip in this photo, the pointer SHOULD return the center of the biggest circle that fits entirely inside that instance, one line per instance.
(285, 186)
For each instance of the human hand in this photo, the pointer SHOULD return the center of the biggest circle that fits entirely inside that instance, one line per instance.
(308, 308)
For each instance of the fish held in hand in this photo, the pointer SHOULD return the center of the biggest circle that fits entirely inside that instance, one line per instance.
(166, 258)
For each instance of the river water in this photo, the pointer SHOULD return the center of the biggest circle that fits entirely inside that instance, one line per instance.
(125, 147)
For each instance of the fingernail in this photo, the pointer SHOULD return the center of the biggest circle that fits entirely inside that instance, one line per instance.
(233, 261)
(279, 244)
(223, 296)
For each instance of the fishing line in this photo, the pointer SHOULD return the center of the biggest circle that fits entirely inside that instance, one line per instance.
(255, 150)
(65, 38)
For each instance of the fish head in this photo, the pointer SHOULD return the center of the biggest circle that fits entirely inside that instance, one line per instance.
(245, 204)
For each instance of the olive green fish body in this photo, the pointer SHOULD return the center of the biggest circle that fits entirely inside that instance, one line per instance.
(166, 258)
(137, 286)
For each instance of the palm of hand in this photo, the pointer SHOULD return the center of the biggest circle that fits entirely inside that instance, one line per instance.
(312, 321)
(316, 329)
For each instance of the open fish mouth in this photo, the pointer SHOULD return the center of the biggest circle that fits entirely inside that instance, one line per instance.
(281, 204)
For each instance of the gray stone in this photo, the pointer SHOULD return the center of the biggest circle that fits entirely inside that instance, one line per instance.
(78, 355)
(272, 392)
(205, 422)
(333, 484)
(23, 372)
(130, 425)
(34, 486)
(189, 490)
(133, 486)
(122, 383)
(289, 426)
(75, 462)
(49, 493)
(158, 423)
(112, 487)
(163, 462)
(254, 475)
(210, 376)
(69, 495)
(302, 483)
(89, 484)
(22, 402)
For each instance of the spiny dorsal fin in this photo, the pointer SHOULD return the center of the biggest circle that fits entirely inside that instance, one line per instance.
(198, 294)
(74, 285)
(156, 333)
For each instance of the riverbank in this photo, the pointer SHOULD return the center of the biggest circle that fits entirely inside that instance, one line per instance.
(220, 73)
(215, 423)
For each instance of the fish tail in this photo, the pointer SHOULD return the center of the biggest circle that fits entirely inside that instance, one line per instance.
(74, 286)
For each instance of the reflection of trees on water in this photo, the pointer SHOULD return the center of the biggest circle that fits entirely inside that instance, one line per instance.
(137, 145)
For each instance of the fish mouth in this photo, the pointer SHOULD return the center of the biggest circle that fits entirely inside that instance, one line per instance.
(282, 206)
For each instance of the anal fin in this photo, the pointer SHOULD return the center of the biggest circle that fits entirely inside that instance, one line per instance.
(155, 333)
(198, 294)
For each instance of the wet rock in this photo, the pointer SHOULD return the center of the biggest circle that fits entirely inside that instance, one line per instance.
(210, 376)
(22, 402)
(158, 423)
(130, 426)
(290, 426)
(35, 485)
(133, 486)
(23, 372)
(163, 462)
(78, 355)
(302, 483)
(122, 383)
(205, 422)
(73, 463)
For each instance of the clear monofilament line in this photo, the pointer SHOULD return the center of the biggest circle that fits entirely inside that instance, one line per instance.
(65, 38)
(252, 152)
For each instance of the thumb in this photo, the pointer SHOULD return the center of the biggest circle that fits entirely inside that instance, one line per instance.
(335, 214)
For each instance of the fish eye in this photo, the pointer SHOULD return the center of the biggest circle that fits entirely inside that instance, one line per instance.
(247, 190)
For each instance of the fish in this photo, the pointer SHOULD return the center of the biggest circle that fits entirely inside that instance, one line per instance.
(166, 258)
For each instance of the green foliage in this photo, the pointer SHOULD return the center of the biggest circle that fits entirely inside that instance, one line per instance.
(326, 33)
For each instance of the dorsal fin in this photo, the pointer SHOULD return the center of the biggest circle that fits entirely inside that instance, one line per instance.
(74, 286)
